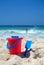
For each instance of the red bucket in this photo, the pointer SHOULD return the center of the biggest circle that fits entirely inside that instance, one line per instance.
(14, 45)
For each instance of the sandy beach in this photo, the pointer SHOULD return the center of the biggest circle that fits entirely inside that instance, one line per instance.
(35, 58)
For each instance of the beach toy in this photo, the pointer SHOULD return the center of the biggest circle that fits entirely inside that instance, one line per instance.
(27, 46)
(12, 37)
(15, 36)
(14, 45)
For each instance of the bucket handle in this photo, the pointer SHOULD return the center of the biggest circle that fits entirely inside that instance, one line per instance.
(9, 47)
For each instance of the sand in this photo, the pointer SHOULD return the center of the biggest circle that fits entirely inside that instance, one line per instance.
(35, 58)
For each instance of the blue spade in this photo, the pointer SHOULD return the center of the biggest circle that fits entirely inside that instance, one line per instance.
(27, 46)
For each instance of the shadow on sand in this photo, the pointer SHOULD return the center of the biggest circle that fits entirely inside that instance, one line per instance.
(27, 55)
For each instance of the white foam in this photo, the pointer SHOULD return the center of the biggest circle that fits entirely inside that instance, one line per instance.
(9, 33)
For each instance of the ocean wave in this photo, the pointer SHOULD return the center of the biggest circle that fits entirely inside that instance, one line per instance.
(9, 33)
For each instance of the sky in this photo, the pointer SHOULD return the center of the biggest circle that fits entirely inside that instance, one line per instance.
(21, 12)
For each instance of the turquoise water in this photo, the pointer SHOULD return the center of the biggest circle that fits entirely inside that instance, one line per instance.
(32, 31)
(21, 27)
(14, 27)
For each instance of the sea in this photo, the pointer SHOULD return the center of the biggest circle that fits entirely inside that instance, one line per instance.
(22, 31)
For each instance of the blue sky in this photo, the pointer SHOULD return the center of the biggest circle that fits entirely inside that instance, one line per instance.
(21, 12)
